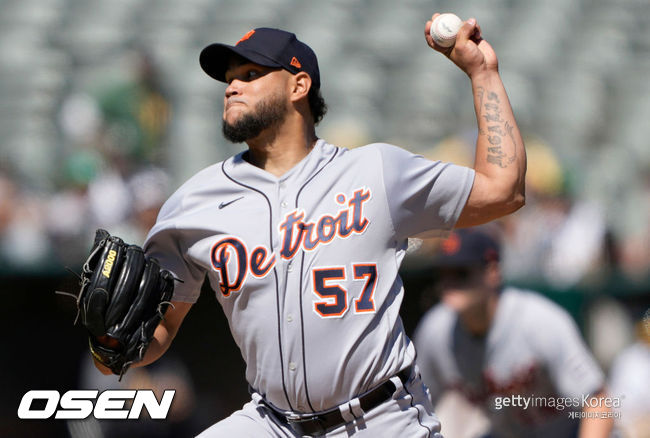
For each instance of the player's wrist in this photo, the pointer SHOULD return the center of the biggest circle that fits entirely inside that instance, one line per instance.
(485, 74)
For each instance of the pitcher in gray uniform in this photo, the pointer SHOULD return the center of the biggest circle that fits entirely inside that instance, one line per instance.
(513, 353)
(302, 240)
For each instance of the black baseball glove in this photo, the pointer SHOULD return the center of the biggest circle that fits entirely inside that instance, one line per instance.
(124, 295)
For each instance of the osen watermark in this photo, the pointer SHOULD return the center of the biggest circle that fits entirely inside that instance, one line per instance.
(80, 404)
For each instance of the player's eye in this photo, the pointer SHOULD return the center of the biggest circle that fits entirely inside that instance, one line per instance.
(246, 75)
(252, 74)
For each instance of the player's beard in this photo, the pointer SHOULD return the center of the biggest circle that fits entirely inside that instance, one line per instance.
(266, 114)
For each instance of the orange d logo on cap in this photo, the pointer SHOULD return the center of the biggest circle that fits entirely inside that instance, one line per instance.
(247, 36)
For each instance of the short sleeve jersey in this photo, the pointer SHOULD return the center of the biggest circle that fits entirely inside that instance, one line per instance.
(533, 349)
(306, 265)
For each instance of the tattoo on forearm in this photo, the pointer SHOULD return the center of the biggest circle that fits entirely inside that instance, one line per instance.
(511, 134)
(479, 95)
(497, 129)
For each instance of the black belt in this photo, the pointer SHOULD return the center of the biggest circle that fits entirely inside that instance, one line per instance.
(318, 424)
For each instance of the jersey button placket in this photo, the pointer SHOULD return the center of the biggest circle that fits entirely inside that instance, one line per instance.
(289, 331)
(279, 208)
(283, 191)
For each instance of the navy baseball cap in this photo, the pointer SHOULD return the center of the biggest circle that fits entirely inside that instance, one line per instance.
(467, 247)
(263, 46)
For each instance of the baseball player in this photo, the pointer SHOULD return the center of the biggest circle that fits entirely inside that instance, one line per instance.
(513, 353)
(301, 241)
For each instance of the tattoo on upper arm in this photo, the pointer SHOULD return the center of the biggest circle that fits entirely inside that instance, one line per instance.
(497, 129)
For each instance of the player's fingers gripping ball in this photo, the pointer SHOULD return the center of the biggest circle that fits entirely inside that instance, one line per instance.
(123, 298)
(444, 29)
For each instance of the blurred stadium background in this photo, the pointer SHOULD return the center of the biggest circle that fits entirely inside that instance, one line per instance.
(104, 110)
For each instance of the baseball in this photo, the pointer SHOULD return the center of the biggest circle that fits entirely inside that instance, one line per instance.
(444, 29)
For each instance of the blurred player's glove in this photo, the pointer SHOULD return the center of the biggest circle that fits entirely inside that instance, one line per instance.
(123, 297)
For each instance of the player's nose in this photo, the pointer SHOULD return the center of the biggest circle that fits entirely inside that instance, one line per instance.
(233, 88)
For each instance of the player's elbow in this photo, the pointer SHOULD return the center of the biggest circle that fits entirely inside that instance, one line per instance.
(490, 200)
(478, 213)
(507, 196)
(514, 202)
(510, 196)
(503, 206)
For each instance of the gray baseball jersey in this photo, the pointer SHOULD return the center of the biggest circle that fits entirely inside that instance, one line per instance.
(533, 349)
(305, 265)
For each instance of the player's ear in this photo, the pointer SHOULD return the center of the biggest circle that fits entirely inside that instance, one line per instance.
(300, 86)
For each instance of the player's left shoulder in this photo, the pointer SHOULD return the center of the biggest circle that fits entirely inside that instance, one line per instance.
(527, 297)
(537, 309)
(385, 155)
(371, 155)
(380, 148)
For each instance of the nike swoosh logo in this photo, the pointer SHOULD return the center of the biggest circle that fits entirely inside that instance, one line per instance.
(225, 204)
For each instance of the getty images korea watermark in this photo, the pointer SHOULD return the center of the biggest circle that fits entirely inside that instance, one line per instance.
(80, 404)
(562, 403)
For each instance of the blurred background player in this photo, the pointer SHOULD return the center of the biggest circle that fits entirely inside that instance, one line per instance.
(630, 375)
(489, 342)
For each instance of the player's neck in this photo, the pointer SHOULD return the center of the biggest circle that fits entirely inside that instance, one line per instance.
(278, 149)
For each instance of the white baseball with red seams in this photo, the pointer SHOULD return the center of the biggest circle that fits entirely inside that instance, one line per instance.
(444, 29)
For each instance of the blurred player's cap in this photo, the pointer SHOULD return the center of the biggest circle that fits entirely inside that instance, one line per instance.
(465, 248)
(263, 46)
